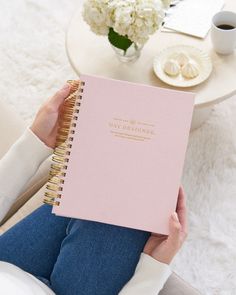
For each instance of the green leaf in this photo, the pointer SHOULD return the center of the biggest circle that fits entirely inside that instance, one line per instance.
(119, 41)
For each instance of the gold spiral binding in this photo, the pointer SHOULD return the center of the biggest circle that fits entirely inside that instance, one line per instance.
(60, 158)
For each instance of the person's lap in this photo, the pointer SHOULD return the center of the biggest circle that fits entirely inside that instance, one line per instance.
(76, 256)
(33, 244)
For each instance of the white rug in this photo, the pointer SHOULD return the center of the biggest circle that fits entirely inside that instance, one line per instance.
(33, 65)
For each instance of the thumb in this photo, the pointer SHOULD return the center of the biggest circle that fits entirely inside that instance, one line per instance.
(174, 237)
(59, 97)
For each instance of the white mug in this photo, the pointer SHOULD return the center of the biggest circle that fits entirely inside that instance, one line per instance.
(224, 39)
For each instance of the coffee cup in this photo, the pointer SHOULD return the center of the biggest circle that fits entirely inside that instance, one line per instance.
(223, 32)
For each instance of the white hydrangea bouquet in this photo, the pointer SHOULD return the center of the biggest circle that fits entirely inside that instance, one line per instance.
(127, 23)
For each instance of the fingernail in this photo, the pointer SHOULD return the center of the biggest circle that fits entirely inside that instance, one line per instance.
(175, 216)
(66, 86)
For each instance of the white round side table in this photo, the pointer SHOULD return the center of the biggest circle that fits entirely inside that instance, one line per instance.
(89, 53)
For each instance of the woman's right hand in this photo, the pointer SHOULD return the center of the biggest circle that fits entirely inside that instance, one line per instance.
(46, 122)
(163, 248)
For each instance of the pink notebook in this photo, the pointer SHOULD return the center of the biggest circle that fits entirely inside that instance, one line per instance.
(127, 154)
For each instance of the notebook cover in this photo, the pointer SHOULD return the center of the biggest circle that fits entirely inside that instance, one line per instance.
(127, 154)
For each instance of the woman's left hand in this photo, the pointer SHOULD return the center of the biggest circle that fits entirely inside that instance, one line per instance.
(45, 124)
(163, 248)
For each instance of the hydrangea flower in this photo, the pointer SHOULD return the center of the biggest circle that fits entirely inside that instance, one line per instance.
(133, 19)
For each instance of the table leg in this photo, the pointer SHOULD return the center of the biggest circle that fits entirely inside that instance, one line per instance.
(200, 115)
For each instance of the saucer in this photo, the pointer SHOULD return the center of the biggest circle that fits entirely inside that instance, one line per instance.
(201, 57)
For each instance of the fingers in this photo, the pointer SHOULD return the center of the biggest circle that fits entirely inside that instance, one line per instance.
(182, 211)
(58, 98)
(178, 223)
(174, 237)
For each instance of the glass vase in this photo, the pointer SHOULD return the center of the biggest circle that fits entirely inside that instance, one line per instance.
(130, 55)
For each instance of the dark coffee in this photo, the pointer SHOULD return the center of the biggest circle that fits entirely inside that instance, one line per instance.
(226, 27)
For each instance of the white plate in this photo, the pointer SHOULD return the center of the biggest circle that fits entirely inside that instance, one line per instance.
(199, 56)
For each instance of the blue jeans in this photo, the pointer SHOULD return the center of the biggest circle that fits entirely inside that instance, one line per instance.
(73, 256)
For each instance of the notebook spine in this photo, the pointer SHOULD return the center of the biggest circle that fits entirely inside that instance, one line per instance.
(64, 139)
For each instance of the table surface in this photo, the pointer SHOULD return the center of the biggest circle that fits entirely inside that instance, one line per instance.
(89, 53)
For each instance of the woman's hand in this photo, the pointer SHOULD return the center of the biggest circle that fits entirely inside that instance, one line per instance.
(163, 248)
(45, 123)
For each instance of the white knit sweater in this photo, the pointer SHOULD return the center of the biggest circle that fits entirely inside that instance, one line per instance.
(16, 168)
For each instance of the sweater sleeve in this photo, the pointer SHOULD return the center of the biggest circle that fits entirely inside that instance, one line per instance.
(18, 165)
(149, 277)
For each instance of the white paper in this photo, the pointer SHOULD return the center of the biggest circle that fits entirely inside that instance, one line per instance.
(192, 17)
